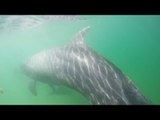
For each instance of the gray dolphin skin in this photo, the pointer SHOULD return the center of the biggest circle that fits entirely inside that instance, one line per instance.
(79, 67)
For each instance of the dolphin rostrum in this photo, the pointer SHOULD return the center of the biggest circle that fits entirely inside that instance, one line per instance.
(79, 67)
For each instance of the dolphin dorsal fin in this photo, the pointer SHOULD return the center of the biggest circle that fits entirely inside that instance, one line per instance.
(79, 37)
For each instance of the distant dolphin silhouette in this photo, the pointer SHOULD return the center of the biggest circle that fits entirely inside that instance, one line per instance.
(79, 67)
(24, 22)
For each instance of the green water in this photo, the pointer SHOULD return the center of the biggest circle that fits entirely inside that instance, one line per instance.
(130, 42)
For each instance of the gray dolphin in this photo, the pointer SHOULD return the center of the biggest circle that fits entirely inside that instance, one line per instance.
(24, 22)
(79, 67)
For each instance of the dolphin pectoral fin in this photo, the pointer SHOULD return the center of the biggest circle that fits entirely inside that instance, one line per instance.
(57, 90)
(53, 90)
(32, 87)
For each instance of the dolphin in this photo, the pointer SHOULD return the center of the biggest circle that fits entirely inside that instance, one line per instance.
(24, 22)
(78, 66)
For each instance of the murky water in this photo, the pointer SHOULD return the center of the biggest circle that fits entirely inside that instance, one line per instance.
(130, 42)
